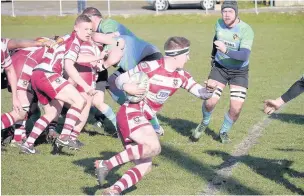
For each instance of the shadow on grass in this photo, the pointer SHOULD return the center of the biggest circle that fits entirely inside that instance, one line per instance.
(181, 126)
(289, 118)
(191, 165)
(88, 165)
(184, 127)
(289, 149)
(204, 171)
(273, 169)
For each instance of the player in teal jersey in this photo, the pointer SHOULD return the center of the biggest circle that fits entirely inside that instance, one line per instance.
(230, 61)
(108, 31)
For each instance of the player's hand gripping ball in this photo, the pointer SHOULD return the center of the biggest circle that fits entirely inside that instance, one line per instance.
(142, 81)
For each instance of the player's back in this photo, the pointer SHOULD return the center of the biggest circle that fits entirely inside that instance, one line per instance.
(110, 26)
(26, 59)
(53, 58)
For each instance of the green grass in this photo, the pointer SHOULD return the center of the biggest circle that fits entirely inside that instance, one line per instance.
(183, 167)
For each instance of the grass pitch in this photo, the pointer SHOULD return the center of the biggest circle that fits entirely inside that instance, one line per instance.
(273, 166)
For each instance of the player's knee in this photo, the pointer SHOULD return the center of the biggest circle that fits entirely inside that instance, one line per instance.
(23, 113)
(101, 105)
(210, 104)
(156, 148)
(235, 112)
(151, 149)
(50, 115)
(80, 102)
(238, 94)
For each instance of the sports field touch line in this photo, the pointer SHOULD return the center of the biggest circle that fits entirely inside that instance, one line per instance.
(241, 149)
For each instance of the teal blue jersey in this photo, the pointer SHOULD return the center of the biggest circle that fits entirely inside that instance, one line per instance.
(240, 36)
(110, 26)
(135, 50)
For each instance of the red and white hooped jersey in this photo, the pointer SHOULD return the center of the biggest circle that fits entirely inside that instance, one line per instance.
(87, 70)
(163, 83)
(53, 60)
(25, 60)
(6, 60)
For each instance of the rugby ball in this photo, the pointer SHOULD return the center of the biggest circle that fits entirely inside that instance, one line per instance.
(143, 82)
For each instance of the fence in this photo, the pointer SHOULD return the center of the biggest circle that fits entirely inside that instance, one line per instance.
(115, 7)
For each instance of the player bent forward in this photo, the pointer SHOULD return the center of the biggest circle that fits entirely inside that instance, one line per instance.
(140, 140)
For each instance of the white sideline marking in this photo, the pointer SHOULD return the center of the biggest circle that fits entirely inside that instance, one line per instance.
(241, 149)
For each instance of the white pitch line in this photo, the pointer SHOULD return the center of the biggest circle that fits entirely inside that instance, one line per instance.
(240, 150)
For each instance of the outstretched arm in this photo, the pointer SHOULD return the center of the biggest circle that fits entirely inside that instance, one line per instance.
(295, 90)
(14, 43)
(74, 75)
(197, 89)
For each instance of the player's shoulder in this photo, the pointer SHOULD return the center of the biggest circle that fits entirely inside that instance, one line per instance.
(109, 21)
(220, 23)
(149, 66)
(184, 74)
(245, 27)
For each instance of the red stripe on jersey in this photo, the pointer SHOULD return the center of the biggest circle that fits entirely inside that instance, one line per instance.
(53, 78)
(59, 88)
(134, 106)
(139, 126)
(71, 44)
(134, 114)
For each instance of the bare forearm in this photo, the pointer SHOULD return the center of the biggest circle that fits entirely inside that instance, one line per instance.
(74, 75)
(88, 58)
(13, 44)
(12, 78)
(103, 38)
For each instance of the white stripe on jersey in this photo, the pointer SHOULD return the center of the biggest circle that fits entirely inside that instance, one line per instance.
(27, 69)
(153, 65)
(129, 110)
(165, 81)
(48, 55)
(71, 55)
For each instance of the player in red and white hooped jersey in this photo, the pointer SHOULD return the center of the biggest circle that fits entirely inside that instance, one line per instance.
(53, 90)
(8, 119)
(89, 72)
(140, 140)
(24, 60)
